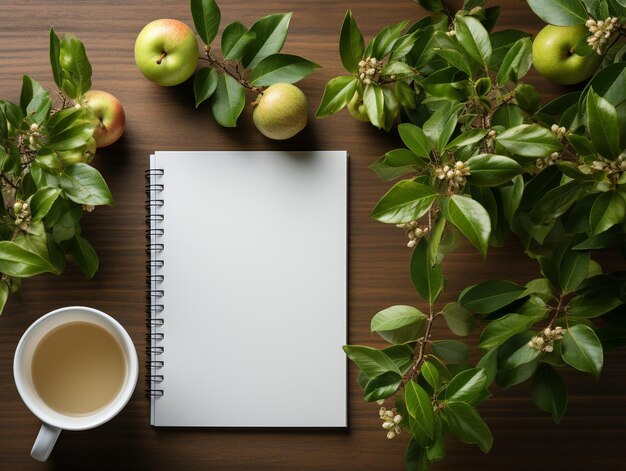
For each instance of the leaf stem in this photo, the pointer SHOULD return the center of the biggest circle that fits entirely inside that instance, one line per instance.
(236, 74)
(421, 350)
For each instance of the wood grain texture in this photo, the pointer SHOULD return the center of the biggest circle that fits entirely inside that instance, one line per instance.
(591, 435)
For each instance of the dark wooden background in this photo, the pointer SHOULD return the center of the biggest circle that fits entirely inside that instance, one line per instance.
(591, 435)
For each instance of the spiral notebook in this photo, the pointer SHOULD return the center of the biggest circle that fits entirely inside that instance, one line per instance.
(247, 288)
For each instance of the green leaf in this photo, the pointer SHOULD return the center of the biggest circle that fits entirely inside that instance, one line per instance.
(473, 38)
(516, 63)
(608, 210)
(437, 124)
(460, 321)
(235, 40)
(382, 386)
(431, 375)
(396, 163)
(470, 218)
(76, 67)
(206, 17)
(204, 84)
(466, 424)
(71, 137)
(603, 125)
(55, 61)
(270, 34)
(582, 349)
(35, 101)
(420, 408)
(489, 363)
(528, 98)
(467, 138)
(415, 457)
(490, 296)
(399, 324)
(403, 45)
(227, 101)
(502, 329)
(383, 42)
(406, 201)
(338, 92)
(508, 378)
(373, 362)
(84, 255)
(573, 269)
(529, 140)
(559, 12)
(592, 304)
(351, 45)
(549, 392)
(374, 101)
(511, 197)
(19, 262)
(42, 201)
(492, 170)
(452, 351)
(427, 277)
(4, 294)
(523, 355)
(281, 68)
(415, 139)
(466, 385)
(508, 116)
(83, 184)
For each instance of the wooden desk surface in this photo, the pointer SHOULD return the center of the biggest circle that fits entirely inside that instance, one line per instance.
(590, 436)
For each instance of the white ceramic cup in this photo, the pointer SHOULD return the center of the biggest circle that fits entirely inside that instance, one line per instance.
(53, 421)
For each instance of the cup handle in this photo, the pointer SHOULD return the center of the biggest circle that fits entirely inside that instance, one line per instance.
(45, 441)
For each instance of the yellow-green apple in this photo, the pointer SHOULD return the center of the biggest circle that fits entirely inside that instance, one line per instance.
(357, 108)
(109, 115)
(280, 111)
(166, 52)
(554, 55)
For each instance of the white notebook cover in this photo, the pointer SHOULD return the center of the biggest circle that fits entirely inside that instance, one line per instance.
(253, 288)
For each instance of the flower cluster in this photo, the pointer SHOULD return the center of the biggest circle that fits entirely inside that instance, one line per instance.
(390, 419)
(454, 175)
(33, 136)
(611, 167)
(369, 70)
(601, 32)
(560, 131)
(21, 209)
(414, 232)
(547, 161)
(545, 341)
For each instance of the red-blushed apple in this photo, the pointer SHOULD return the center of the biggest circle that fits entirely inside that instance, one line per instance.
(280, 112)
(109, 115)
(166, 52)
(554, 55)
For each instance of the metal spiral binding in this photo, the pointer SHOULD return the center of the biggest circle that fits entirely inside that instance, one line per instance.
(154, 281)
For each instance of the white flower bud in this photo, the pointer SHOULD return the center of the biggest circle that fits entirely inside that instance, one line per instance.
(419, 232)
(411, 243)
(388, 425)
(413, 224)
(77, 106)
(362, 64)
(548, 348)
(373, 61)
(554, 155)
(450, 174)
(390, 434)
(397, 429)
(446, 168)
(34, 127)
(397, 419)
(459, 164)
(554, 128)
(411, 235)
(547, 332)
(380, 402)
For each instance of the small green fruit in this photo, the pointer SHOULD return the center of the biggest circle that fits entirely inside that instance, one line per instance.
(555, 58)
(357, 108)
(280, 111)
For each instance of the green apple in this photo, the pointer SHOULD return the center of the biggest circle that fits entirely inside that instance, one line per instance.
(166, 52)
(554, 55)
(280, 112)
(357, 108)
(109, 115)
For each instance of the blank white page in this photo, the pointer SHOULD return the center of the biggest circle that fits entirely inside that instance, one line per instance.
(254, 289)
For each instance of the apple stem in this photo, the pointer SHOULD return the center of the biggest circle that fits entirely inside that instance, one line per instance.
(160, 59)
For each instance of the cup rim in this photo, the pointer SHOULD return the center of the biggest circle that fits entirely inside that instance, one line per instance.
(112, 409)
